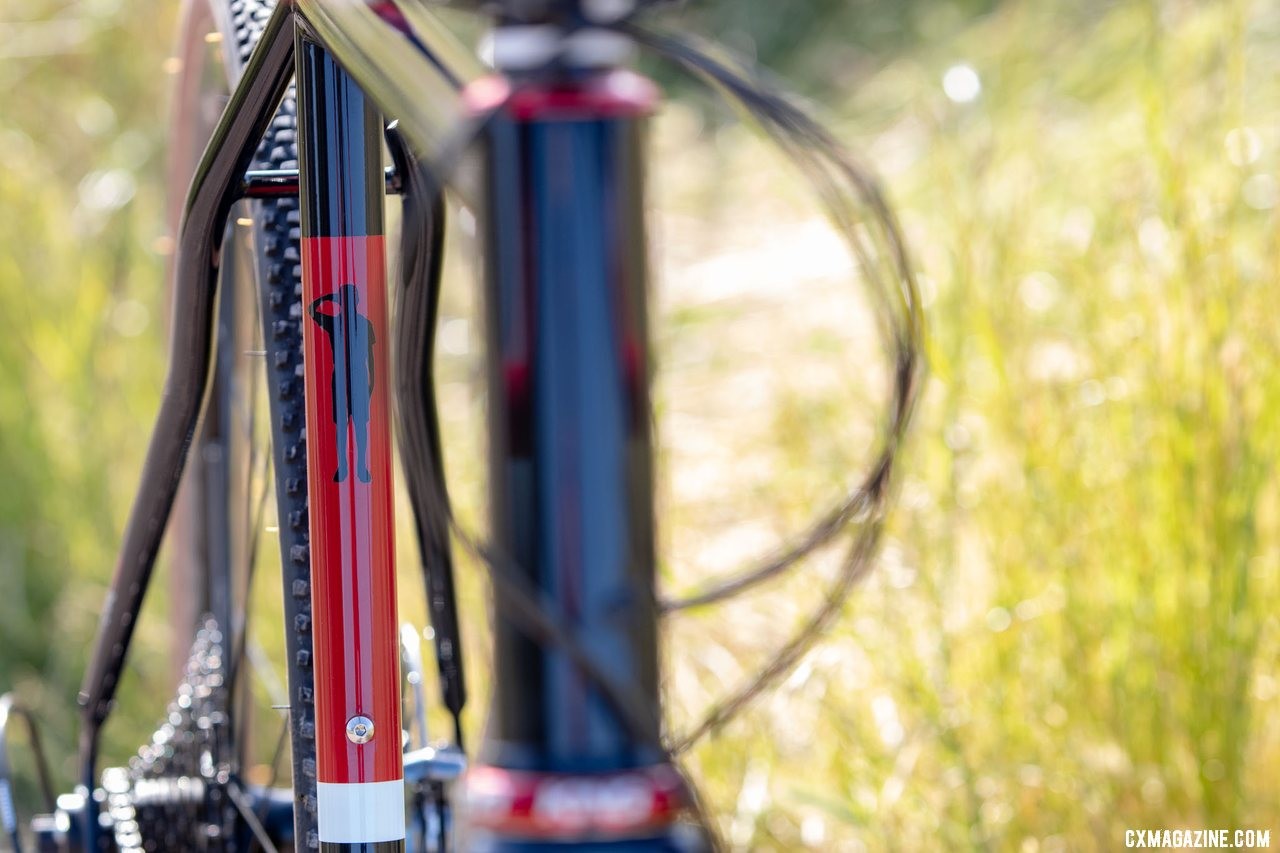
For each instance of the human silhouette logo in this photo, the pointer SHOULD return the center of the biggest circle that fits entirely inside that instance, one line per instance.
(351, 340)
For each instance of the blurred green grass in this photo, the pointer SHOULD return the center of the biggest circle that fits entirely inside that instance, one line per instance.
(80, 336)
(1072, 630)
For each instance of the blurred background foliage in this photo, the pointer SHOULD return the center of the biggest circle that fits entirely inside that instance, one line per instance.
(1073, 628)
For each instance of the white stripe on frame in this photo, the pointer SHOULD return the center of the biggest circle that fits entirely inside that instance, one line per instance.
(363, 812)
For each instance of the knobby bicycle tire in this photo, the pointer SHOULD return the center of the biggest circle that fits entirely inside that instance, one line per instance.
(275, 234)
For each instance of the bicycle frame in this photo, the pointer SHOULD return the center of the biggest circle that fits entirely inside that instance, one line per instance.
(360, 775)
(570, 443)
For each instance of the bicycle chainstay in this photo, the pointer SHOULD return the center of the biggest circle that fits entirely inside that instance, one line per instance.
(175, 789)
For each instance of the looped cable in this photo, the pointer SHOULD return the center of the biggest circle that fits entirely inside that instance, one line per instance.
(876, 241)
(856, 206)
(881, 254)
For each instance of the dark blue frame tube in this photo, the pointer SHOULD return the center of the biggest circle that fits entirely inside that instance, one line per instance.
(571, 454)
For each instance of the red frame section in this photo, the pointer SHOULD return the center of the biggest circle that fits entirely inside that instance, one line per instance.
(357, 657)
(619, 93)
(574, 808)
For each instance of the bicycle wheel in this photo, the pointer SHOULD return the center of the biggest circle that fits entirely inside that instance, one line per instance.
(241, 449)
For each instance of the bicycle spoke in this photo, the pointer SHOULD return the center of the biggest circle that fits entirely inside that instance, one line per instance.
(238, 799)
(254, 523)
(261, 664)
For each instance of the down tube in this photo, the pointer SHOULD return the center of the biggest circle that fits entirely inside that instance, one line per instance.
(360, 776)
(563, 765)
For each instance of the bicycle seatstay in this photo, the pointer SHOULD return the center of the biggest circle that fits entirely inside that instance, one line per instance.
(357, 666)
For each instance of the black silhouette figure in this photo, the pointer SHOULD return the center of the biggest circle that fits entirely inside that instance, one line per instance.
(351, 338)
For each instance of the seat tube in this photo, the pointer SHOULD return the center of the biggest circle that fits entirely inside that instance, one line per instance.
(360, 777)
(571, 469)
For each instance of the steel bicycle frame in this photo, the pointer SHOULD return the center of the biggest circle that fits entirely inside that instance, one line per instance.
(360, 776)
(571, 456)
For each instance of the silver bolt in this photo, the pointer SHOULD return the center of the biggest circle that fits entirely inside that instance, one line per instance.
(359, 729)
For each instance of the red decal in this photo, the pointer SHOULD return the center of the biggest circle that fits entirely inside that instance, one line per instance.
(349, 467)
(549, 805)
(619, 93)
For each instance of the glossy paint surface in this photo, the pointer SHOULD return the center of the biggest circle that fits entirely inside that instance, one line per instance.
(352, 523)
(571, 455)
(349, 457)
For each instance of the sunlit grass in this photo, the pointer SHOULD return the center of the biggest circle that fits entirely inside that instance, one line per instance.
(1072, 632)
